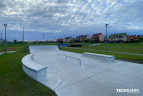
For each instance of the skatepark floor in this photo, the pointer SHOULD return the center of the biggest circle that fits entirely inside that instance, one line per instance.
(92, 78)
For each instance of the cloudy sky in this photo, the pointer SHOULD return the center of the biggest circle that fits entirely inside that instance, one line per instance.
(61, 18)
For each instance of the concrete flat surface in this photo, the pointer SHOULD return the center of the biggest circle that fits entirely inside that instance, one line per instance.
(93, 77)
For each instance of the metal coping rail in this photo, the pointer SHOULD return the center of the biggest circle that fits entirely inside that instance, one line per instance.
(69, 57)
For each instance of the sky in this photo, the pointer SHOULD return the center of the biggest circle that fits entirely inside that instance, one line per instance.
(62, 18)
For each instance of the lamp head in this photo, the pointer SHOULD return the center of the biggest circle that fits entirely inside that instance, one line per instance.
(106, 24)
(5, 25)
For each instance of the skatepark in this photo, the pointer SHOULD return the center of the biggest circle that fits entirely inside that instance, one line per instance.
(86, 74)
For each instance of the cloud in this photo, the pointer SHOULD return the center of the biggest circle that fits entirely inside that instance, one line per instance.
(71, 15)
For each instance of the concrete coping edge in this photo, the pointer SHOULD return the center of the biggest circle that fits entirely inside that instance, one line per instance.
(29, 63)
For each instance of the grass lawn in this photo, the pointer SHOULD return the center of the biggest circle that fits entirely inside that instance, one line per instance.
(124, 47)
(117, 55)
(13, 81)
(120, 47)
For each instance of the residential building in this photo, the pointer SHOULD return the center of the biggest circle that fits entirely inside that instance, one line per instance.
(67, 39)
(120, 37)
(132, 38)
(60, 40)
(83, 38)
(73, 40)
(97, 37)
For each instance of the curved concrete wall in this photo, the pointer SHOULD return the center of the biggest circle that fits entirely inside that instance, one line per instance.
(32, 69)
(39, 48)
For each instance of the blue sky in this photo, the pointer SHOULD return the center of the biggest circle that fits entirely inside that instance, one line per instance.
(61, 18)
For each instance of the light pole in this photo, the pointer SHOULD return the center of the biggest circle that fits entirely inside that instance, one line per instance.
(115, 38)
(1, 38)
(23, 35)
(5, 25)
(43, 38)
(106, 40)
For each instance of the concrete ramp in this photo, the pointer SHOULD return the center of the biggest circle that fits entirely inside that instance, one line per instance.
(39, 48)
(72, 74)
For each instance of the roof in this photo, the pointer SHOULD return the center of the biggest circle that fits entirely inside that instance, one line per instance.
(82, 36)
(67, 37)
(133, 37)
(60, 39)
(120, 35)
(96, 35)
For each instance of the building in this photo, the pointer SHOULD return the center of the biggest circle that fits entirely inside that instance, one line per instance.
(60, 40)
(120, 37)
(132, 38)
(67, 39)
(83, 38)
(73, 40)
(97, 37)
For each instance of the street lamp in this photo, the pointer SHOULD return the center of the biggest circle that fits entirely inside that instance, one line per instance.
(106, 40)
(5, 25)
(23, 34)
(115, 38)
(43, 38)
(1, 38)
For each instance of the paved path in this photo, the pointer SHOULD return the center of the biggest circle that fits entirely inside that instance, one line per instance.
(92, 78)
(7, 52)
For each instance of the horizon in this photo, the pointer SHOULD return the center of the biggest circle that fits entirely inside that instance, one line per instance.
(66, 36)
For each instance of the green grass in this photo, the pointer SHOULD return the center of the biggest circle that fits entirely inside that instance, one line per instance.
(13, 81)
(134, 48)
(120, 47)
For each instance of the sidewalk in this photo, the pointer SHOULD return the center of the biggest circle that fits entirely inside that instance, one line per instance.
(7, 52)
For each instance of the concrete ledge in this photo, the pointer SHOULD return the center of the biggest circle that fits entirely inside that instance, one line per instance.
(101, 57)
(32, 69)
